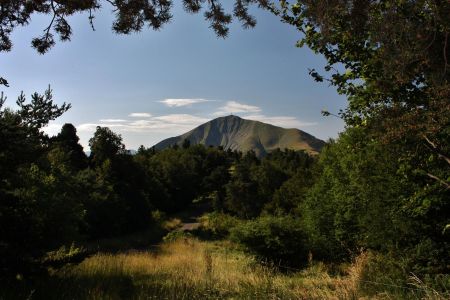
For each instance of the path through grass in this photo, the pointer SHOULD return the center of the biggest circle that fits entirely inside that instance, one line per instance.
(189, 269)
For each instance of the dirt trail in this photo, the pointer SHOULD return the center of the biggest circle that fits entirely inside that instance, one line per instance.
(189, 217)
(189, 226)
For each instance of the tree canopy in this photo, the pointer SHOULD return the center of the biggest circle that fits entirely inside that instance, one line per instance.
(130, 16)
(391, 60)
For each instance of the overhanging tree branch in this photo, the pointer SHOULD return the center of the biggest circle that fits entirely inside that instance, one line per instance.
(433, 147)
(441, 181)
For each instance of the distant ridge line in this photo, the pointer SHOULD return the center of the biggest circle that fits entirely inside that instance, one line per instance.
(235, 133)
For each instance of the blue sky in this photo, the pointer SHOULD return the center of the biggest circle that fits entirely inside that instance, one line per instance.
(156, 84)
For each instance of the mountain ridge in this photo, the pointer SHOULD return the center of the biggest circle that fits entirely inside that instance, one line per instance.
(235, 133)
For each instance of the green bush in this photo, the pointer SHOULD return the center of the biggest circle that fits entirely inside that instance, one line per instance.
(218, 224)
(175, 235)
(278, 239)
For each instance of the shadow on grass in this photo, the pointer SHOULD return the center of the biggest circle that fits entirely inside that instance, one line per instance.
(115, 286)
(142, 240)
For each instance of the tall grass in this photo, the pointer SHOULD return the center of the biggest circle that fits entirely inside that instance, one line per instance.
(190, 269)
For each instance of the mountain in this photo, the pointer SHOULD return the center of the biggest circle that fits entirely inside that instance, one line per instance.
(235, 133)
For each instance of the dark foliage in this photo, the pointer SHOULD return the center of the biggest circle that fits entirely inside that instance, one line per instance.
(254, 183)
(39, 200)
(280, 240)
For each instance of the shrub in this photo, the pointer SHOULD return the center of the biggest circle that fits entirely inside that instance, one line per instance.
(218, 224)
(277, 239)
(175, 235)
(158, 216)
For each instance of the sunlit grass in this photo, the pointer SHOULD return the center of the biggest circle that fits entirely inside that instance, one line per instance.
(191, 269)
(186, 268)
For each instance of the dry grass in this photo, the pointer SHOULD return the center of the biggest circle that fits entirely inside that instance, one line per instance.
(429, 292)
(189, 269)
(192, 269)
(186, 268)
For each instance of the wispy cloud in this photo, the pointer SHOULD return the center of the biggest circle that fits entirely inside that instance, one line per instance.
(235, 107)
(113, 120)
(140, 115)
(172, 123)
(181, 119)
(282, 121)
(252, 112)
(182, 102)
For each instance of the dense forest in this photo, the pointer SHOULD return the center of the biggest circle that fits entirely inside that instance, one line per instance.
(382, 187)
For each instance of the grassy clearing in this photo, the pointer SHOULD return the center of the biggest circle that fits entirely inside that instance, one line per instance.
(192, 269)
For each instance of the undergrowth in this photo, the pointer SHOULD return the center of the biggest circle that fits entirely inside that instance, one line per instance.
(186, 268)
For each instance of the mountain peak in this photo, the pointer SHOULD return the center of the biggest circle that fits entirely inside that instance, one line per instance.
(227, 118)
(230, 117)
(235, 133)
